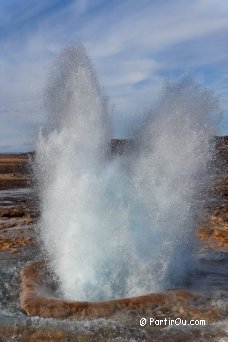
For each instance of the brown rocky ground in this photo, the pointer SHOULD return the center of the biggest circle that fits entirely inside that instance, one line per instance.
(14, 170)
(213, 228)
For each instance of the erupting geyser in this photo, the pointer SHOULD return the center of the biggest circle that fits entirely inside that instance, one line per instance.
(123, 226)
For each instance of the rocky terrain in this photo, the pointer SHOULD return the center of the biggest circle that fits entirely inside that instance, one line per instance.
(30, 311)
(15, 170)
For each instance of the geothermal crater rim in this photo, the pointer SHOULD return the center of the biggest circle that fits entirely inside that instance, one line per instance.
(36, 299)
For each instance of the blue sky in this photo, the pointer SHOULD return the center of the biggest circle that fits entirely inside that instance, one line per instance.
(134, 45)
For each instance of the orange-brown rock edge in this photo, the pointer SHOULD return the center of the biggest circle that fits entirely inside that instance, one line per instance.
(37, 300)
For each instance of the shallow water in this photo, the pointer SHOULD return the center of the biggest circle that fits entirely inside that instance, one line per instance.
(12, 196)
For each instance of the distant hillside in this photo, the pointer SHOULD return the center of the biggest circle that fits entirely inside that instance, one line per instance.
(15, 169)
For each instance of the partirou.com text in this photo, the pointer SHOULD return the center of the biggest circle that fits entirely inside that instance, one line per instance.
(169, 321)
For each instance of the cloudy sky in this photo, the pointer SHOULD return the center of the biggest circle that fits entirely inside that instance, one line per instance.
(134, 45)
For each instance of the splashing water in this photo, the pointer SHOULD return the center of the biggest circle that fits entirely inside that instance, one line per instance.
(122, 226)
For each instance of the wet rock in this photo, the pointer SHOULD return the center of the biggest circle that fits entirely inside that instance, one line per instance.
(14, 245)
(16, 211)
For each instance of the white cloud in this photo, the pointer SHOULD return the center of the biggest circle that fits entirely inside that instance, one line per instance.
(128, 41)
(154, 27)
